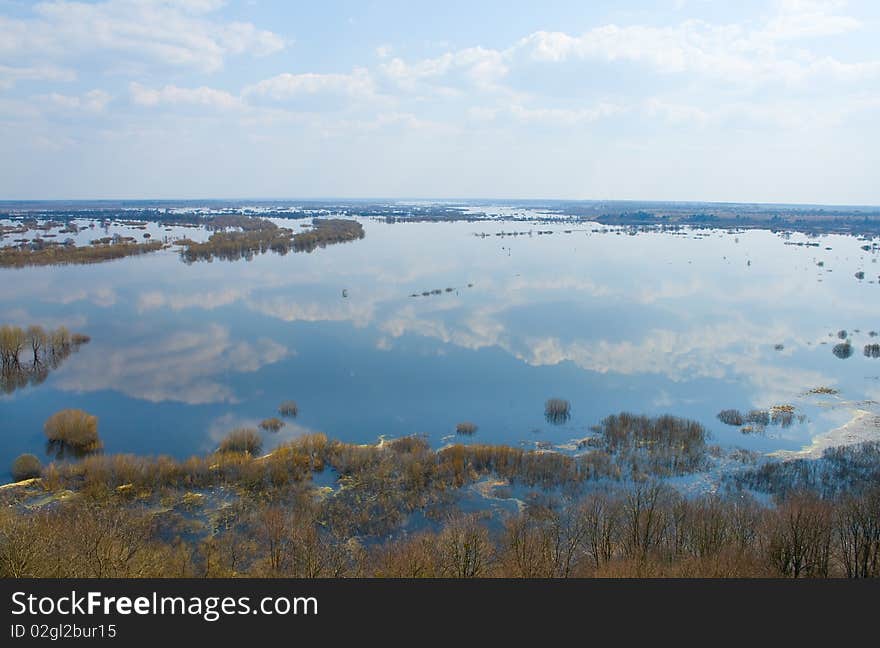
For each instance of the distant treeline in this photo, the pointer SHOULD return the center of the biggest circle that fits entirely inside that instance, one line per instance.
(28, 355)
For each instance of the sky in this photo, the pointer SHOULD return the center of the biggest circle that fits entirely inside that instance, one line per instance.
(753, 101)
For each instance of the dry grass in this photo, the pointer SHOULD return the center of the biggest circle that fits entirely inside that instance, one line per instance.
(242, 440)
(73, 428)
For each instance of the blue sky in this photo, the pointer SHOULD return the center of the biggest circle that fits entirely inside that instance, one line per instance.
(773, 101)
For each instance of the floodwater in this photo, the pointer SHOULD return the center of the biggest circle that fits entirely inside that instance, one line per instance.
(687, 323)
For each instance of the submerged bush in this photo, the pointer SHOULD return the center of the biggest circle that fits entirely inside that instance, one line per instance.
(843, 351)
(466, 427)
(872, 350)
(758, 417)
(272, 424)
(731, 417)
(660, 445)
(557, 410)
(242, 440)
(26, 466)
(288, 408)
(782, 415)
(73, 429)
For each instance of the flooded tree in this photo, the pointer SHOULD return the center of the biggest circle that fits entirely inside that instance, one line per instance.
(72, 431)
(243, 237)
(288, 408)
(28, 355)
(42, 253)
(557, 411)
(872, 351)
(466, 428)
(268, 519)
(843, 350)
(26, 466)
(758, 417)
(661, 445)
(272, 424)
(782, 415)
(731, 417)
(246, 440)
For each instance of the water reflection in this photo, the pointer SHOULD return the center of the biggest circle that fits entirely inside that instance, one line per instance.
(650, 323)
(185, 366)
(28, 355)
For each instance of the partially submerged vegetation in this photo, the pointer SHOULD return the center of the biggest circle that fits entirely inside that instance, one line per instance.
(26, 466)
(843, 350)
(235, 514)
(757, 420)
(840, 470)
(28, 355)
(42, 253)
(243, 237)
(557, 411)
(272, 424)
(663, 445)
(824, 390)
(72, 432)
(288, 408)
(245, 440)
(466, 427)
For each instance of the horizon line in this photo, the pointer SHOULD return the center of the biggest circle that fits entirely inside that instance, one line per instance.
(4, 201)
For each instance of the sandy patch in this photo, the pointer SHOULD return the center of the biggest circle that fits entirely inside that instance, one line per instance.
(863, 426)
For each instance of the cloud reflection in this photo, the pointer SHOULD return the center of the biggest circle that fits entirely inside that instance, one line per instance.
(184, 366)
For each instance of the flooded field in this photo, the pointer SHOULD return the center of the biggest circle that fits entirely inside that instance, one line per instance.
(460, 330)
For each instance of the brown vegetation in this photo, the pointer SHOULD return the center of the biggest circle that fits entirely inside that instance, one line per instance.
(26, 466)
(557, 410)
(271, 424)
(28, 355)
(466, 427)
(662, 445)
(252, 236)
(647, 530)
(74, 431)
(288, 408)
(60, 254)
(242, 440)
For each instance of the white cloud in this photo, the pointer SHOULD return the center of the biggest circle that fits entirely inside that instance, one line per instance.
(176, 33)
(174, 95)
(94, 101)
(565, 116)
(478, 66)
(809, 18)
(285, 87)
(9, 75)
(727, 52)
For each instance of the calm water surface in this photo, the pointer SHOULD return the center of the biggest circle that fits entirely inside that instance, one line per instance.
(650, 323)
